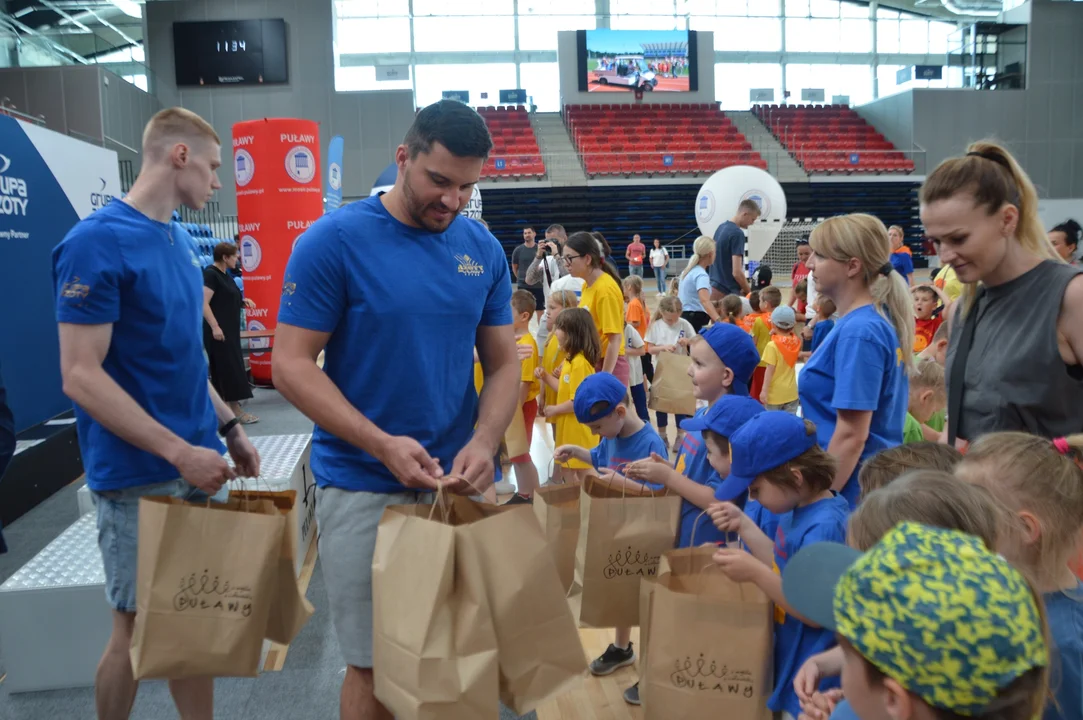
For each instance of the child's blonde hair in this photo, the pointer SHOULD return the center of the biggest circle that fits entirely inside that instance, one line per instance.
(801, 288)
(817, 468)
(674, 287)
(524, 302)
(928, 375)
(772, 296)
(701, 248)
(732, 308)
(825, 306)
(886, 466)
(667, 304)
(633, 283)
(1041, 477)
(565, 298)
(930, 497)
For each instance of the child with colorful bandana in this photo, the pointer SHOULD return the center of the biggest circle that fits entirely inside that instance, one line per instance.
(780, 359)
(776, 457)
(932, 623)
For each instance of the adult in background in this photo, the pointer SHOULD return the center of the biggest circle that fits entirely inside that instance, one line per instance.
(694, 290)
(602, 296)
(222, 306)
(855, 386)
(901, 257)
(659, 263)
(728, 269)
(1015, 347)
(395, 408)
(129, 299)
(634, 254)
(521, 258)
(548, 270)
(1065, 238)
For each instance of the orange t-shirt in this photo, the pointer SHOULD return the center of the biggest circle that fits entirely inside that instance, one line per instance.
(636, 316)
(924, 331)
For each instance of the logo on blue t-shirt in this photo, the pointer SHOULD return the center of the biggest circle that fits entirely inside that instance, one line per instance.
(244, 167)
(251, 253)
(301, 164)
(468, 266)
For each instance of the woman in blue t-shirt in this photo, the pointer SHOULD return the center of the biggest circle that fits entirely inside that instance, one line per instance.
(694, 290)
(855, 386)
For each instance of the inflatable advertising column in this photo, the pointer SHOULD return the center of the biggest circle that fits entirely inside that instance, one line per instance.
(276, 165)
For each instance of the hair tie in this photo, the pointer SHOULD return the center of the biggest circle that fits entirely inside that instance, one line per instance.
(887, 269)
(1061, 445)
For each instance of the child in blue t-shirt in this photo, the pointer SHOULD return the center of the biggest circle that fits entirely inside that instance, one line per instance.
(603, 404)
(775, 456)
(816, 332)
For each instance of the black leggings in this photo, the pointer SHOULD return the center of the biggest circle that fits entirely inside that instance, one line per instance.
(697, 319)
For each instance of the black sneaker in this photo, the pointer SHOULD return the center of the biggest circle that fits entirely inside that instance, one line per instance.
(631, 695)
(612, 660)
(518, 499)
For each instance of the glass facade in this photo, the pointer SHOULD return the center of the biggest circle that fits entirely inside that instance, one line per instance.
(842, 48)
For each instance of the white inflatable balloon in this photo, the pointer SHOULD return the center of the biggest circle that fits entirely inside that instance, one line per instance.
(720, 195)
(473, 208)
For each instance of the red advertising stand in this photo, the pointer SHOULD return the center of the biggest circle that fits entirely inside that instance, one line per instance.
(276, 167)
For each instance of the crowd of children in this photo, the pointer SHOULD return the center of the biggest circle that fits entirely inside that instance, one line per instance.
(952, 629)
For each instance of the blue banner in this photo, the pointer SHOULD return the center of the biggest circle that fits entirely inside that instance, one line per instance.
(332, 196)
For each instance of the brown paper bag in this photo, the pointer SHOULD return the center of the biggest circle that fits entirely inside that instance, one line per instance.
(710, 643)
(207, 577)
(433, 643)
(290, 609)
(557, 510)
(672, 390)
(621, 538)
(516, 437)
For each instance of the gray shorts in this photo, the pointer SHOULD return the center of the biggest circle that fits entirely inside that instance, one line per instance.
(118, 534)
(347, 523)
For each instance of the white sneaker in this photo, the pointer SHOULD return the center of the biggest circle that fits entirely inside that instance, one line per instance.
(504, 488)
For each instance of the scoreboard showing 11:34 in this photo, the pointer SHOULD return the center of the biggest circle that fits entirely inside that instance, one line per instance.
(230, 52)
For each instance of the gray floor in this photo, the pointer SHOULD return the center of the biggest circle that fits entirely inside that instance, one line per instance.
(306, 688)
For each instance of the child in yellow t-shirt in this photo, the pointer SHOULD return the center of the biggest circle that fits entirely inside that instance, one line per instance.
(780, 358)
(523, 307)
(578, 338)
(770, 298)
(552, 355)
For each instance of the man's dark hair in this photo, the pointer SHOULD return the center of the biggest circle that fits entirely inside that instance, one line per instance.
(556, 228)
(224, 250)
(452, 124)
(528, 227)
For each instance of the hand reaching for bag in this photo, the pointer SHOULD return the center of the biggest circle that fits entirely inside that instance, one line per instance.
(203, 468)
(410, 463)
(821, 704)
(655, 470)
(726, 516)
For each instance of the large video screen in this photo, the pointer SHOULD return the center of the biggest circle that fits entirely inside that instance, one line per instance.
(628, 60)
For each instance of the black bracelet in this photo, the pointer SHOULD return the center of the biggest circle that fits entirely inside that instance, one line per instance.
(225, 429)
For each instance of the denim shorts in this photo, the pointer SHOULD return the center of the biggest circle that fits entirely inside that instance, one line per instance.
(118, 533)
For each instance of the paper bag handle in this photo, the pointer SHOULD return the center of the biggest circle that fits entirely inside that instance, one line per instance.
(442, 488)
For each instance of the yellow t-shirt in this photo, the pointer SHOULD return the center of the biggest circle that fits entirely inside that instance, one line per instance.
(479, 377)
(528, 364)
(948, 281)
(570, 431)
(551, 360)
(605, 300)
(761, 335)
(781, 351)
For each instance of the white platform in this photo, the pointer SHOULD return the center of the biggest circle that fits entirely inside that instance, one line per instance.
(54, 621)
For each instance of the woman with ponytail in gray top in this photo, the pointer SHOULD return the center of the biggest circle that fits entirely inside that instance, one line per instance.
(1015, 349)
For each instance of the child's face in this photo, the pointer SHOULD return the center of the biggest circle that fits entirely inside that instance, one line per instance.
(776, 498)
(923, 305)
(710, 377)
(611, 425)
(552, 309)
(671, 318)
(718, 460)
(562, 339)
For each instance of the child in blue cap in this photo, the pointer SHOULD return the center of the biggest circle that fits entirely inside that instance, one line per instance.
(603, 404)
(776, 458)
(723, 359)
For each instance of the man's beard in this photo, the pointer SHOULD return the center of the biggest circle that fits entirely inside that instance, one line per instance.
(416, 209)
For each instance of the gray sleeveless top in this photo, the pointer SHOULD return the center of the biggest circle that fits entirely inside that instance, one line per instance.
(1015, 377)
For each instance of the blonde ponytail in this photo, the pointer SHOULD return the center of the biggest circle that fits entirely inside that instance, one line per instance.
(701, 248)
(864, 237)
(992, 176)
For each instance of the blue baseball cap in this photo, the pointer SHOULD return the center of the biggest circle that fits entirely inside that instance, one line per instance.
(736, 350)
(726, 416)
(601, 387)
(765, 442)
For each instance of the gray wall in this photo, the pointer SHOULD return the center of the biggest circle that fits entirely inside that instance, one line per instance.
(893, 116)
(568, 58)
(371, 123)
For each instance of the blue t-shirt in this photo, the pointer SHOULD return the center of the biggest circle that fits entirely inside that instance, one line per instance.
(820, 331)
(403, 306)
(689, 287)
(615, 453)
(1064, 610)
(692, 463)
(729, 240)
(119, 267)
(903, 264)
(858, 367)
(843, 711)
(796, 642)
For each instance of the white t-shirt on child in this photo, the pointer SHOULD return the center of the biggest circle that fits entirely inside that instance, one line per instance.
(659, 333)
(635, 364)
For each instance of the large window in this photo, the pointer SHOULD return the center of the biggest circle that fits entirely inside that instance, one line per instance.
(477, 78)
(542, 82)
(733, 83)
(742, 33)
(854, 81)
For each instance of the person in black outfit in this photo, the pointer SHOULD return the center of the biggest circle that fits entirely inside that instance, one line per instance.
(7, 442)
(222, 306)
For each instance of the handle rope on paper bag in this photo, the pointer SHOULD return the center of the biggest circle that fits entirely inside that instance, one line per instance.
(442, 488)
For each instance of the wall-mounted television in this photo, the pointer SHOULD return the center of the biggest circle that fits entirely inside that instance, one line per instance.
(230, 52)
(629, 60)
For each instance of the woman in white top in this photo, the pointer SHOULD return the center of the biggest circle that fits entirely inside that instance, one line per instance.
(660, 261)
(694, 290)
(669, 332)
